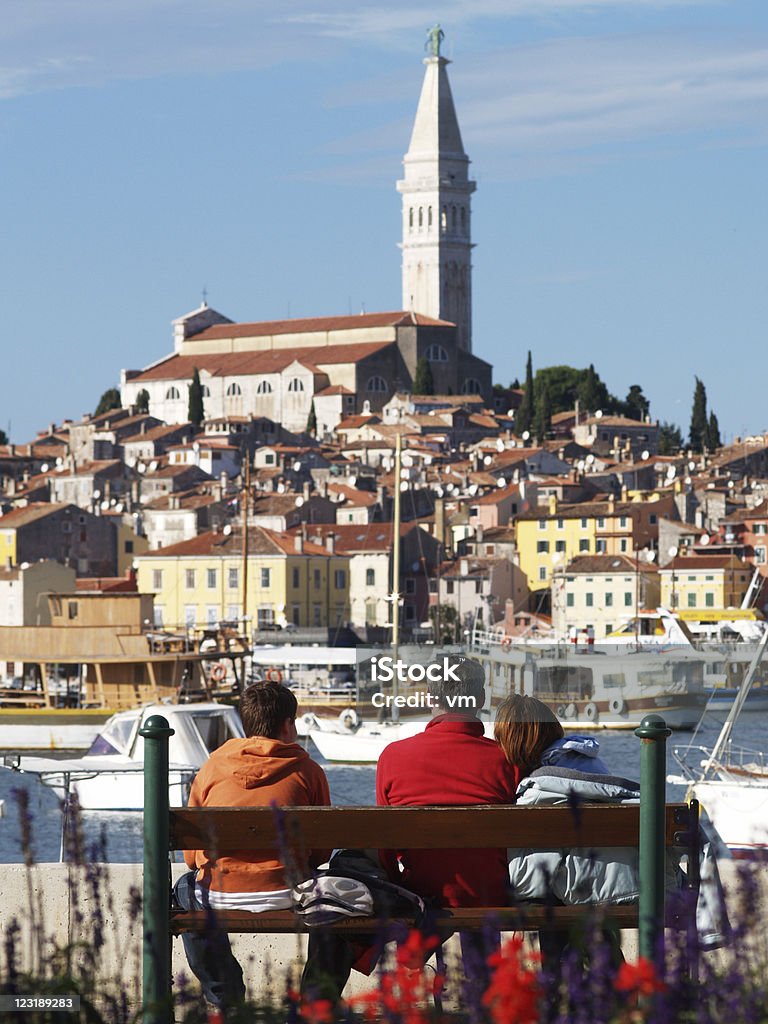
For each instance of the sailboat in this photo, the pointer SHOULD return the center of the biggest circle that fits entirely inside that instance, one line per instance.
(730, 782)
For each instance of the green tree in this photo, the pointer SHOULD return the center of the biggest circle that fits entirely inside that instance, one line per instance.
(542, 418)
(142, 401)
(714, 440)
(636, 405)
(312, 420)
(109, 400)
(445, 623)
(423, 381)
(3, 437)
(562, 384)
(593, 394)
(195, 410)
(697, 435)
(524, 415)
(670, 439)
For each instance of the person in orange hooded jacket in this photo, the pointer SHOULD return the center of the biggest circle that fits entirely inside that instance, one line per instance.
(267, 767)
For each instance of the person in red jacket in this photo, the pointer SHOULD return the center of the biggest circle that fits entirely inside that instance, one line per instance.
(451, 763)
(266, 767)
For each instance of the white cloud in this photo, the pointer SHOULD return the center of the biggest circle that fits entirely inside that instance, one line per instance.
(371, 20)
(579, 93)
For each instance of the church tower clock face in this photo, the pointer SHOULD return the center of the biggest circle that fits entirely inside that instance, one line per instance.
(436, 216)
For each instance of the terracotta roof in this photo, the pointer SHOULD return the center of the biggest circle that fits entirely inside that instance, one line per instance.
(619, 421)
(87, 468)
(30, 513)
(233, 364)
(608, 564)
(351, 538)
(500, 494)
(355, 422)
(260, 542)
(154, 433)
(742, 515)
(585, 509)
(698, 563)
(447, 400)
(187, 501)
(334, 389)
(352, 496)
(176, 469)
(317, 325)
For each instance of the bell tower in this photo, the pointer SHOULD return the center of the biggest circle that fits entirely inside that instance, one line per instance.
(436, 190)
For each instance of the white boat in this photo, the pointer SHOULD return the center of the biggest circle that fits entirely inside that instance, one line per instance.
(365, 744)
(111, 775)
(606, 687)
(731, 783)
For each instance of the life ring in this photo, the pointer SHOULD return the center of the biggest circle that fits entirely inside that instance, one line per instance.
(570, 711)
(590, 712)
(274, 675)
(349, 719)
(218, 672)
(617, 706)
(506, 642)
(560, 711)
(306, 722)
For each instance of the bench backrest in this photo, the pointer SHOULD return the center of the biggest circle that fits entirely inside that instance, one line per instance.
(258, 828)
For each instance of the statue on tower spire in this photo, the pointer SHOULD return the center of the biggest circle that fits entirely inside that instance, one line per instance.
(435, 36)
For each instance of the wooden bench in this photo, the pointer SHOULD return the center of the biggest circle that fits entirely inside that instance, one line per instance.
(650, 826)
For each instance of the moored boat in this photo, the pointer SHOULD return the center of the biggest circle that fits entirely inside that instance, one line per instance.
(110, 776)
(731, 783)
(609, 687)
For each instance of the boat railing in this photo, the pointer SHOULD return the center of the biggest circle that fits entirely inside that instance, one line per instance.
(734, 763)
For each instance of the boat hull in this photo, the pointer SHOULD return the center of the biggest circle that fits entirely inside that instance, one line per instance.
(738, 811)
(50, 728)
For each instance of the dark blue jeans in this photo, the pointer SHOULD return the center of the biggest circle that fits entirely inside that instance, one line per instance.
(209, 953)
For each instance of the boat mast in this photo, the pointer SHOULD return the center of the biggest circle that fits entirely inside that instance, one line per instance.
(396, 514)
(736, 707)
(246, 492)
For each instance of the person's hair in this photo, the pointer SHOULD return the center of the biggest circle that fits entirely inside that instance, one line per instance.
(470, 684)
(524, 728)
(264, 708)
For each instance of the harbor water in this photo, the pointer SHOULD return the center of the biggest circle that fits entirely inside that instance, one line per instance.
(116, 836)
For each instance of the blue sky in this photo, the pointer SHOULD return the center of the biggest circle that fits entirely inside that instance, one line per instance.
(153, 148)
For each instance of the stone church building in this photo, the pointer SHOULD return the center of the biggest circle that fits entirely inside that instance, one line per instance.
(349, 364)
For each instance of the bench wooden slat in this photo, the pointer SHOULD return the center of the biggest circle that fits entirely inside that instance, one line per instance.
(592, 826)
(526, 918)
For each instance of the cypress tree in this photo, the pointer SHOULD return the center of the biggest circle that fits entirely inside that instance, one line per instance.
(524, 415)
(312, 420)
(592, 392)
(698, 433)
(713, 433)
(423, 381)
(195, 412)
(142, 401)
(542, 420)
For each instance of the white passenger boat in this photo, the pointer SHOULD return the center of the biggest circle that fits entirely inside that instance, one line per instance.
(111, 775)
(605, 687)
(731, 783)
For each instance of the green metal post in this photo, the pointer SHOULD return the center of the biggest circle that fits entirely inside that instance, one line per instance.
(157, 939)
(653, 732)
